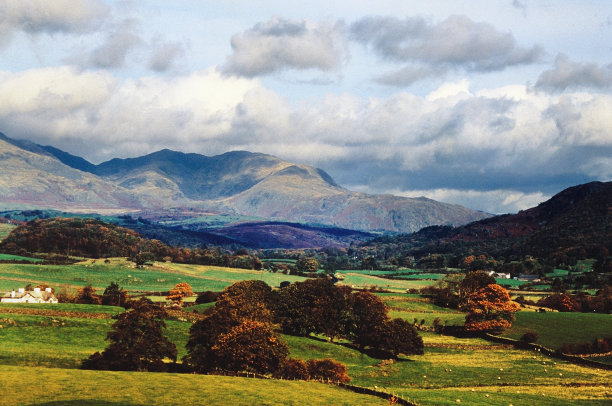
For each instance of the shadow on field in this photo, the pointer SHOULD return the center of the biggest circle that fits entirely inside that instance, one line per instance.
(82, 402)
(370, 352)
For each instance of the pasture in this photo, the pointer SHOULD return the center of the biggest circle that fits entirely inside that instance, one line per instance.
(5, 229)
(476, 371)
(159, 277)
(556, 328)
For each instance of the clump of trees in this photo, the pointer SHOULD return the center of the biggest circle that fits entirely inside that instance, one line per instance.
(317, 306)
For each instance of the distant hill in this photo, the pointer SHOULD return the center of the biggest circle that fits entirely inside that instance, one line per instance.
(576, 223)
(79, 237)
(239, 182)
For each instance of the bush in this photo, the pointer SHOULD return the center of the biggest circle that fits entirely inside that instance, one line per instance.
(327, 369)
(530, 337)
(292, 368)
(207, 297)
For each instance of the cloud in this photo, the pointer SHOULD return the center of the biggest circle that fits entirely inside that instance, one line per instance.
(281, 44)
(165, 55)
(569, 74)
(499, 201)
(502, 147)
(457, 42)
(57, 16)
(120, 41)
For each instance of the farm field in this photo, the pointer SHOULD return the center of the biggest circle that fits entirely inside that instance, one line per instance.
(53, 386)
(5, 230)
(451, 368)
(158, 277)
(556, 328)
(411, 307)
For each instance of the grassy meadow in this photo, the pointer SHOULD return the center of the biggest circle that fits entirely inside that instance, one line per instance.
(40, 351)
(556, 328)
(159, 277)
(5, 229)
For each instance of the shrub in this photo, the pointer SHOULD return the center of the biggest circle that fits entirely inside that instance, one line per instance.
(530, 337)
(207, 297)
(292, 368)
(327, 369)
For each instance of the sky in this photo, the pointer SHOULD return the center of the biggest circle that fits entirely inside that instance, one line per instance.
(492, 104)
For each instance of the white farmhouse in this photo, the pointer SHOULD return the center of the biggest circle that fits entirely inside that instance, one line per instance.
(33, 296)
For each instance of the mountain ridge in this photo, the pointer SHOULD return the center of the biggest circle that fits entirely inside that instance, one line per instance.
(236, 182)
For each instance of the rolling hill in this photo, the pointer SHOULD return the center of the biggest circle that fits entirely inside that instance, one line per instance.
(575, 223)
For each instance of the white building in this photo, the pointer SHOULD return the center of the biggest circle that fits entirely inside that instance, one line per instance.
(33, 296)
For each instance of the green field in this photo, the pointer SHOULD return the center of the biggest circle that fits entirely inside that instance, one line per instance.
(159, 277)
(52, 386)
(556, 328)
(452, 368)
(411, 307)
(5, 229)
(9, 257)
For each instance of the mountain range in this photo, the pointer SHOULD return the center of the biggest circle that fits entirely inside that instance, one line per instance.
(238, 183)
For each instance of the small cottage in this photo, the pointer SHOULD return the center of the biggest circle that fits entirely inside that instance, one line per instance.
(31, 296)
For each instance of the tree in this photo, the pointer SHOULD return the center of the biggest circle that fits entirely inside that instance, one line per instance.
(142, 258)
(491, 309)
(307, 264)
(314, 306)
(178, 292)
(244, 301)
(472, 282)
(87, 295)
(251, 346)
(115, 296)
(399, 336)
(369, 314)
(137, 342)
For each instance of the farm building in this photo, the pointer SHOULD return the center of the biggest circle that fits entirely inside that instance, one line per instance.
(33, 296)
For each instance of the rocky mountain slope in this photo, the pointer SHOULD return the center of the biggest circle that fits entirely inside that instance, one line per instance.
(242, 183)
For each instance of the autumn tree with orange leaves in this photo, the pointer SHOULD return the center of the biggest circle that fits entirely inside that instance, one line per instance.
(179, 291)
(490, 309)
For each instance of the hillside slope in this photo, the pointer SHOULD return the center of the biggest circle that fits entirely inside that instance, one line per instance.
(575, 223)
(239, 182)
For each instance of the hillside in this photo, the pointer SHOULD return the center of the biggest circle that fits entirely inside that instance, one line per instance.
(574, 224)
(79, 237)
(240, 183)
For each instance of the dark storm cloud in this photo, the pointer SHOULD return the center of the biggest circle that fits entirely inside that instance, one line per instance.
(569, 74)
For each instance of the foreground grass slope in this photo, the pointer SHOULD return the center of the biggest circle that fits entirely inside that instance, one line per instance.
(52, 386)
(451, 369)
